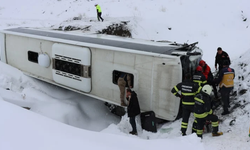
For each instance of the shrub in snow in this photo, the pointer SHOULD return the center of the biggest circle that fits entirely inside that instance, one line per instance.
(117, 29)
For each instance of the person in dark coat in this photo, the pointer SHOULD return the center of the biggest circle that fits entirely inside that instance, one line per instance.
(188, 90)
(220, 57)
(226, 84)
(203, 112)
(133, 109)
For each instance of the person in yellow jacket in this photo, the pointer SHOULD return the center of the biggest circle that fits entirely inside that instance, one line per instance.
(203, 111)
(99, 12)
(226, 84)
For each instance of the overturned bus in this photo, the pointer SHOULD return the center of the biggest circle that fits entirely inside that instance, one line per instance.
(91, 64)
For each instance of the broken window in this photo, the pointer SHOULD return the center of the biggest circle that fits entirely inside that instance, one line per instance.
(117, 74)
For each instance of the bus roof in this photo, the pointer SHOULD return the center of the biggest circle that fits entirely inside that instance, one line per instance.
(147, 46)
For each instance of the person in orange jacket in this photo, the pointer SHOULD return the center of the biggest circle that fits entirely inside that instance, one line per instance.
(206, 70)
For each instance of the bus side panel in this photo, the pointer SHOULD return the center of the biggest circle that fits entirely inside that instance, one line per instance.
(167, 73)
(154, 78)
(144, 65)
(17, 48)
(2, 47)
(104, 62)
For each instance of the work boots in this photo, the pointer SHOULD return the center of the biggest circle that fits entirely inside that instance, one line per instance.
(217, 134)
(133, 133)
(225, 113)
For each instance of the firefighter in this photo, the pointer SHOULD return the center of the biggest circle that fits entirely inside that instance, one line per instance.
(188, 90)
(226, 84)
(198, 77)
(220, 57)
(203, 111)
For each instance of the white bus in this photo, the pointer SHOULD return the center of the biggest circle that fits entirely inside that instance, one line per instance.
(91, 63)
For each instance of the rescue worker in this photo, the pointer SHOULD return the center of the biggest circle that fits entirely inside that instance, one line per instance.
(188, 90)
(206, 70)
(123, 81)
(133, 109)
(203, 112)
(99, 12)
(226, 84)
(198, 77)
(220, 57)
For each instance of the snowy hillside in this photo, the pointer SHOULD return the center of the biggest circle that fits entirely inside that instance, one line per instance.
(211, 23)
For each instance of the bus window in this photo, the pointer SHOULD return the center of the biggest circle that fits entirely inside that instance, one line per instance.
(33, 56)
(116, 75)
(189, 63)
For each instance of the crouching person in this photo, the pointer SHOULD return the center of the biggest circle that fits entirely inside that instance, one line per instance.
(133, 109)
(203, 112)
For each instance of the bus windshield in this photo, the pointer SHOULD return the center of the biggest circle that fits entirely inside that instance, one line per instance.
(189, 64)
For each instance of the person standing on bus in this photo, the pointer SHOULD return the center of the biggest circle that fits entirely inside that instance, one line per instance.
(226, 84)
(133, 109)
(188, 90)
(99, 12)
(123, 81)
(220, 57)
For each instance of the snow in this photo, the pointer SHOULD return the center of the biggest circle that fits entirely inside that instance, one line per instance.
(62, 119)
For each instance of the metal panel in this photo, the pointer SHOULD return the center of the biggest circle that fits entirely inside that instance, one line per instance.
(71, 66)
(2, 48)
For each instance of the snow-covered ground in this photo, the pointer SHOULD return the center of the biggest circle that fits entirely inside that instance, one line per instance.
(74, 121)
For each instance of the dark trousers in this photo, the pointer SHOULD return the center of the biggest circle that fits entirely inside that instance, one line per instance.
(225, 98)
(220, 67)
(186, 110)
(133, 124)
(214, 89)
(201, 123)
(99, 16)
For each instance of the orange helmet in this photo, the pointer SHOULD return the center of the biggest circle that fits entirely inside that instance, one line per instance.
(202, 63)
(198, 68)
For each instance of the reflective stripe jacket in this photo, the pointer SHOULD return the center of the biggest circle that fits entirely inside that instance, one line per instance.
(98, 8)
(199, 78)
(202, 105)
(226, 78)
(188, 90)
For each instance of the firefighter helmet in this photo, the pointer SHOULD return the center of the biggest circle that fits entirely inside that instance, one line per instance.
(207, 89)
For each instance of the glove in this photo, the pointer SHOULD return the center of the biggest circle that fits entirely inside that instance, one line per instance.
(180, 96)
